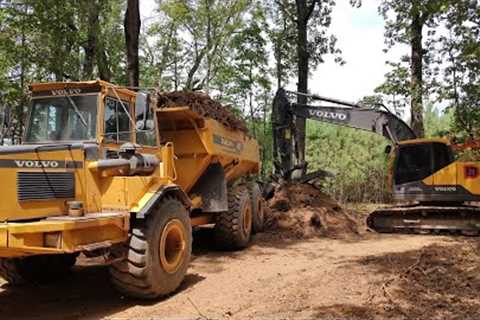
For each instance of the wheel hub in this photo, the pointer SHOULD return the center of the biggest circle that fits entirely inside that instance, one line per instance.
(172, 246)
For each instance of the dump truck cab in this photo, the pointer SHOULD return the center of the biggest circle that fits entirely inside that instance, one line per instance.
(69, 128)
(98, 162)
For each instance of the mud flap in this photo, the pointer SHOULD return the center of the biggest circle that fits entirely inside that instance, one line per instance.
(212, 187)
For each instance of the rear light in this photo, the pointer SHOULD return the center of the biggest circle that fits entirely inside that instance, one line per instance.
(471, 172)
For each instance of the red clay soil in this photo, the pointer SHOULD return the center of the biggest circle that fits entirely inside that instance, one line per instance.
(202, 104)
(303, 211)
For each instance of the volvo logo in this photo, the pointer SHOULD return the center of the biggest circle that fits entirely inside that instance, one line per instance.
(64, 92)
(37, 163)
(338, 116)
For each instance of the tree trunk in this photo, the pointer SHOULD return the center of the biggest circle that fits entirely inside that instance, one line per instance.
(278, 51)
(208, 36)
(92, 31)
(104, 71)
(132, 32)
(417, 72)
(302, 84)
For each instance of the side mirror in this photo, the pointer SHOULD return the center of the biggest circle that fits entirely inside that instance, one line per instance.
(149, 125)
(141, 110)
(145, 125)
(140, 125)
(388, 149)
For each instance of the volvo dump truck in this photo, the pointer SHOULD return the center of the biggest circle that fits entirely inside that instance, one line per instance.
(104, 170)
(433, 188)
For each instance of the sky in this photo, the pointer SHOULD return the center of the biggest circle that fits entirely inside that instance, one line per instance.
(360, 37)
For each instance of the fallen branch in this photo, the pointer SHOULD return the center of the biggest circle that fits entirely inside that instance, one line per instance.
(202, 316)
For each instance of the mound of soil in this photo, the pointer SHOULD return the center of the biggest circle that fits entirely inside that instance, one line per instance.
(303, 211)
(202, 104)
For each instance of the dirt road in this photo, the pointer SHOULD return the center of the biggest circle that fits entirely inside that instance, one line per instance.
(274, 278)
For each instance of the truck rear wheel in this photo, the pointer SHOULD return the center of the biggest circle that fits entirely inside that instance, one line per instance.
(41, 268)
(258, 208)
(157, 254)
(233, 228)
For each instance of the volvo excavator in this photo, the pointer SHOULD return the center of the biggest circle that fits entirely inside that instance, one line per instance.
(434, 191)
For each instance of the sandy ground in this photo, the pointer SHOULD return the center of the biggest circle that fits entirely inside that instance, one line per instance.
(274, 278)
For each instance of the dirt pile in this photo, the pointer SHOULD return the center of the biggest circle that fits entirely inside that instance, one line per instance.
(303, 211)
(436, 282)
(202, 104)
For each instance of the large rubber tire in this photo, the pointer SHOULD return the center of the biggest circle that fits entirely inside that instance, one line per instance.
(36, 269)
(157, 254)
(233, 228)
(258, 207)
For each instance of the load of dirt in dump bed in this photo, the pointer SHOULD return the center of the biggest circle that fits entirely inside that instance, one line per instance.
(203, 105)
(303, 211)
(436, 282)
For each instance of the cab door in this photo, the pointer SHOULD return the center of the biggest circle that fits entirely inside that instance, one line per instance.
(117, 122)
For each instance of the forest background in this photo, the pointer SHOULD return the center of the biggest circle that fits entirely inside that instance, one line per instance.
(241, 51)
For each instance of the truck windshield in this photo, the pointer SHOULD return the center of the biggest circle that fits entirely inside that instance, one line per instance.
(63, 118)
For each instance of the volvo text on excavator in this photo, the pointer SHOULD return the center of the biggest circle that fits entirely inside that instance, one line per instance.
(434, 190)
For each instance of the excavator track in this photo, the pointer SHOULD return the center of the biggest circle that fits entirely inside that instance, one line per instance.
(426, 219)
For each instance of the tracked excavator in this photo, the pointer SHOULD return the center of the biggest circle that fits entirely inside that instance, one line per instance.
(434, 191)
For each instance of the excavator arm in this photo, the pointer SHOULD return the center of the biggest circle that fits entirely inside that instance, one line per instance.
(345, 114)
(378, 121)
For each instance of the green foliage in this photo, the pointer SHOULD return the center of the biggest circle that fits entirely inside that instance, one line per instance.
(283, 33)
(44, 41)
(239, 51)
(437, 123)
(459, 50)
(395, 91)
(450, 57)
(356, 158)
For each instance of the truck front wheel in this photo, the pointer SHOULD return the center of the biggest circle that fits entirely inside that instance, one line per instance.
(157, 255)
(36, 269)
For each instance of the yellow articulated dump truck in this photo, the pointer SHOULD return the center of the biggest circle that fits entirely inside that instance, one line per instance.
(107, 171)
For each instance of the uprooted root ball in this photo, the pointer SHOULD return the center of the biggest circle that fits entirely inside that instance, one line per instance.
(303, 211)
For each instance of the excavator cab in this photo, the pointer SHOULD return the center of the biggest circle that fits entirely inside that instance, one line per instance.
(414, 163)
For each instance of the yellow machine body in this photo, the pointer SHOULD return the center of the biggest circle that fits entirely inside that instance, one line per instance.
(35, 221)
(427, 170)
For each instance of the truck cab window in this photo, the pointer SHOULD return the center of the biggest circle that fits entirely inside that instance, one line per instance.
(117, 122)
(62, 118)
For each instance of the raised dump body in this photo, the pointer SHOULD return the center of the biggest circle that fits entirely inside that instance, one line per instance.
(108, 171)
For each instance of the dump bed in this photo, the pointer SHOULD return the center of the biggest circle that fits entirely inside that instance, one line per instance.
(204, 132)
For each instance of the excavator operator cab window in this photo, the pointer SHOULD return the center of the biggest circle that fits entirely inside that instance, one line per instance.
(416, 162)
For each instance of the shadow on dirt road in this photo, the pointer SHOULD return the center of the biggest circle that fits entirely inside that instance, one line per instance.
(86, 292)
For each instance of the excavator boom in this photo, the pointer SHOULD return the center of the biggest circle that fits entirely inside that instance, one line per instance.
(345, 114)
(377, 121)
